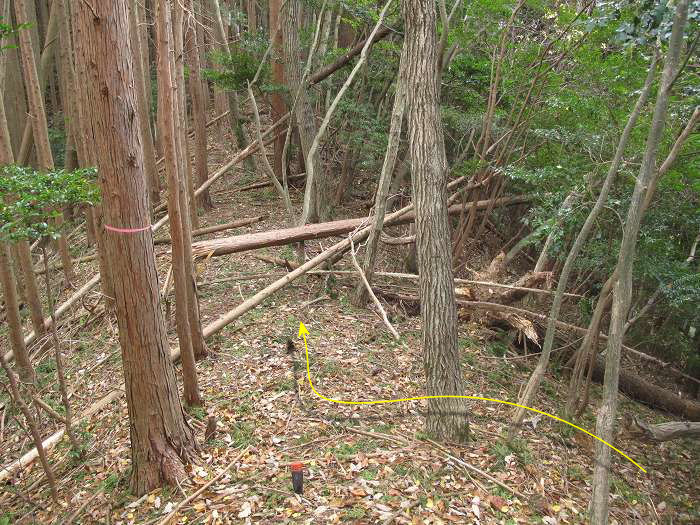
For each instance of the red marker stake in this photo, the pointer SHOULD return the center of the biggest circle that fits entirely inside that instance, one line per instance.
(298, 477)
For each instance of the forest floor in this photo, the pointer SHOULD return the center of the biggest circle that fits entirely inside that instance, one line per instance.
(363, 464)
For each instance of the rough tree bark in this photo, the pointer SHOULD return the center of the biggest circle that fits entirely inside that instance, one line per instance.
(447, 417)
(161, 440)
(622, 294)
(167, 115)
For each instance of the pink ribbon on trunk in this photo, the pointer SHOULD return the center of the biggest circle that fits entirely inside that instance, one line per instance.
(126, 230)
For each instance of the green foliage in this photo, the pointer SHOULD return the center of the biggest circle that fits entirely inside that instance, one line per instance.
(37, 197)
(7, 31)
(234, 70)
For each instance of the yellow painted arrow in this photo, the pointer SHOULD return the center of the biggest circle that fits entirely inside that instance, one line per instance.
(303, 332)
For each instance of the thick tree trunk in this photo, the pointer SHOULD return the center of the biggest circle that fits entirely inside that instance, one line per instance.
(161, 440)
(167, 117)
(622, 294)
(447, 417)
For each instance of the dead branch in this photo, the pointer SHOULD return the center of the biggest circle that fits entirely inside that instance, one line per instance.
(371, 293)
(664, 431)
(204, 487)
(51, 441)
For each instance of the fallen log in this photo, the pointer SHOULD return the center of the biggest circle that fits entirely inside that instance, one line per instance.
(664, 431)
(630, 383)
(650, 394)
(242, 243)
(216, 228)
(50, 442)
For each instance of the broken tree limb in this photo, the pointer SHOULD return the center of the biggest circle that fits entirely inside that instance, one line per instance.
(366, 284)
(347, 57)
(217, 228)
(242, 243)
(265, 183)
(50, 442)
(543, 318)
(665, 431)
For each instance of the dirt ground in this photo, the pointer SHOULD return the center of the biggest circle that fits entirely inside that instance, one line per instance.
(363, 464)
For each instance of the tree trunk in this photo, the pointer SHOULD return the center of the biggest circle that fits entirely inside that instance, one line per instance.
(199, 116)
(188, 209)
(168, 117)
(252, 16)
(24, 258)
(161, 440)
(183, 150)
(14, 323)
(278, 106)
(39, 124)
(447, 417)
(142, 99)
(234, 117)
(315, 209)
(392, 149)
(622, 293)
(31, 290)
(45, 65)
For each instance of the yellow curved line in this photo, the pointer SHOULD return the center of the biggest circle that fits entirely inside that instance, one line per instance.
(384, 401)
